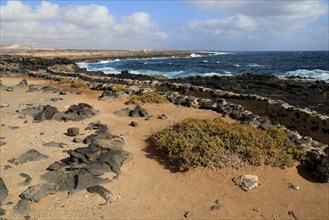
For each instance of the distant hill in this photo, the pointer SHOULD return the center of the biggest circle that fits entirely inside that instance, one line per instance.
(5, 48)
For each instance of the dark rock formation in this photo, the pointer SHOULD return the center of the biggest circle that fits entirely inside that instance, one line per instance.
(318, 164)
(37, 192)
(97, 125)
(31, 155)
(47, 112)
(23, 207)
(138, 112)
(79, 112)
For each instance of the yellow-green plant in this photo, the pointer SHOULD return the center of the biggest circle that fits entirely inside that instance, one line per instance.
(65, 81)
(201, 142)
(119, 87)
(148, 97)
(79, 84)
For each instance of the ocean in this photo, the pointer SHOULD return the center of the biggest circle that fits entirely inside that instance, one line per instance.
(310, 64)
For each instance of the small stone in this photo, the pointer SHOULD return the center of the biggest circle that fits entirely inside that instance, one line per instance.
(26, 121)
(74, 131)
(2, 143)
(4, 105)
(293, 186)
(134, 124)
(102, 191)
(62, 92)
(163, 116)
(247, 182)
(187, 214)
(42, 133)
(54, 144)
(10, 89)
(215, 207)
(77, 140)
(148, 118)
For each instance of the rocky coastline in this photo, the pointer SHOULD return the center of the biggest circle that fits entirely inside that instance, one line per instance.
(295, 103)
(257, 101)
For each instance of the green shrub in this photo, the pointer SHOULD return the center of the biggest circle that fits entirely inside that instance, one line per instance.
(119, 87)
(65, 81)
(149, 97)
(201, 142)
(79, 84)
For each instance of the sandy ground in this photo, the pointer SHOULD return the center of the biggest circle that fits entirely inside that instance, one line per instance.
(148, 187)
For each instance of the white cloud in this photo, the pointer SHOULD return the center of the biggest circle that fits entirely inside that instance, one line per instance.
(94, 16)
(138, 23)
(15, 11)
(257, 20)
(76, 26)
(288, 9)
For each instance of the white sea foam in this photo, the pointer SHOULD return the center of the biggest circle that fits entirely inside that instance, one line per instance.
(255, 65)
(316, 74)
(82, 65)
(104, 61)
(195, 55)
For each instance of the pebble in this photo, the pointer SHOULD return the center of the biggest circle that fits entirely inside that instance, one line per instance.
(74, 131)
(215, 208)
(134, 124)
(163, 116)
(293, 186)
(4, 105)
(187, 214)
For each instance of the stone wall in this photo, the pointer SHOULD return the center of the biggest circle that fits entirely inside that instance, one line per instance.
(305, 121)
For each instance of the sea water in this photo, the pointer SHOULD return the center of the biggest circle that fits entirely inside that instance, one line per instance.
(309, 64)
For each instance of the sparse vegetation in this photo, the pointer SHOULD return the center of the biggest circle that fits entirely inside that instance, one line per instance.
(79, 84)
(202, 142)
(65, 81)
(149, 97)
(119, 87)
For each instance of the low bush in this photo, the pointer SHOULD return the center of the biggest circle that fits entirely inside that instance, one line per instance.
(202, 142)
(65, 81)
(119, 87)
(79, 84)
(149, 97)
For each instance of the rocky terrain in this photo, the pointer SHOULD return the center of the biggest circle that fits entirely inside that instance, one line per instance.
(80, 140)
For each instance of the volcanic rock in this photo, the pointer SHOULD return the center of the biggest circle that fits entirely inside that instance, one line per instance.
(3, 191)
(37, 192)
(74, 131)
(79, 112)
(31, 155)
(23, 207)
(102, 191)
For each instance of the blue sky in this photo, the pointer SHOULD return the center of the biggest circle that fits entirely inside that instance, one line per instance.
(174, 24)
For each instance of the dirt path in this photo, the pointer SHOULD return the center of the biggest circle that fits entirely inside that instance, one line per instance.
(148, 187)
